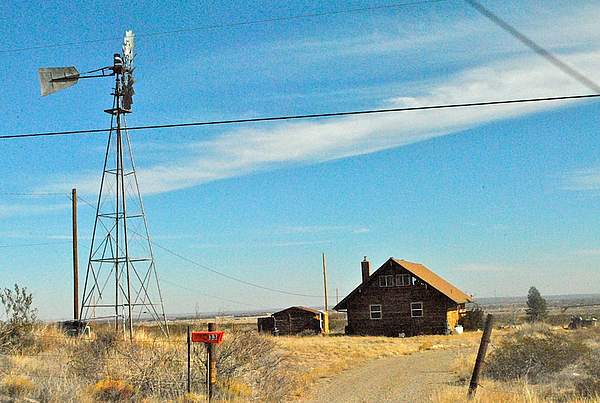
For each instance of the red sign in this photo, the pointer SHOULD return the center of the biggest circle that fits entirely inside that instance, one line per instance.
(207, 337)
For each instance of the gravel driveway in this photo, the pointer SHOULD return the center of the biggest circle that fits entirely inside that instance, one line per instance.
(410, 378)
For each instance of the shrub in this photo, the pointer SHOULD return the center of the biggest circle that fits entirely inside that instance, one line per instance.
(112, 390)
(89, 357)
(16, 385)
(532, 353)
(589, 385)
(252, 359)
(16, 333)
(472, 319)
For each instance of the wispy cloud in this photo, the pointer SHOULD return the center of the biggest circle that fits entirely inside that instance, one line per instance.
(259, 148)
(312, 229)
(588, 252)
(584, 179)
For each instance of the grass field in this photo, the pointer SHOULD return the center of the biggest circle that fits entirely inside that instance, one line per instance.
(53, 367)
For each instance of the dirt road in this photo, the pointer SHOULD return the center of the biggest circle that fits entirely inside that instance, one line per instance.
(410, 378)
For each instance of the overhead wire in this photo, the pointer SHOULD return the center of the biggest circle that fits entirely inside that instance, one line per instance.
(564, 67)
(307, 116)
(217, 272)
(226, 25)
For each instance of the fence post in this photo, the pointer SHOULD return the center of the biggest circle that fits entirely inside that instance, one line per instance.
(211, 364)
(485, 339)
(189, 363)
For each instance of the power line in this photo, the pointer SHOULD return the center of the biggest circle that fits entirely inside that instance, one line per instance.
(534, 46)
(226, 25)
(307, 116)
(20, 245)
(215, 271)
(227, 276)
(38, 194)
(196, 292)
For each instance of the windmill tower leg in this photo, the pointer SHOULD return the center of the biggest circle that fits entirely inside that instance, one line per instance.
(121, 252)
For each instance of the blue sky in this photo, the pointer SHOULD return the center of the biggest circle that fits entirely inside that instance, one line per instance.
(495, 199)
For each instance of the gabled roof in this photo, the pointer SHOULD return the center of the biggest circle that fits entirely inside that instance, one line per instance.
(300, 308)
(422, 273)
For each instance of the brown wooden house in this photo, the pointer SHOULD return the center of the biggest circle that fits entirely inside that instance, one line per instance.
(293, 320)
(402, 298)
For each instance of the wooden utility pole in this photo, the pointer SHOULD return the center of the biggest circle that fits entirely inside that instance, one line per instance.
(326, 316)
(485, 340)
(211, 365)
(75, 257)
(337, 298)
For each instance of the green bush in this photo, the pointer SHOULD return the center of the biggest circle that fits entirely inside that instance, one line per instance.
(16, 333)
(533, 353)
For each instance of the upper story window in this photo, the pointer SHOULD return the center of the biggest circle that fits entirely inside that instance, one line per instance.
(386, 281)
(375, 311)
(403, 280)
(416, 309)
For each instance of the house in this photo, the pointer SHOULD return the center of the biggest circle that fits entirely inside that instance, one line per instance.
(402, 298)
(293, 320)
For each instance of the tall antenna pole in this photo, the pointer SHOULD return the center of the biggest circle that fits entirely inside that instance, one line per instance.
(75, 257)
(326, 317)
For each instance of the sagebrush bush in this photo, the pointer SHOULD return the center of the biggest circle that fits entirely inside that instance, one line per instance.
(113, 390)
(589, 384)
(16, 333)
(251, 359)
(532, 353)
(16, 385)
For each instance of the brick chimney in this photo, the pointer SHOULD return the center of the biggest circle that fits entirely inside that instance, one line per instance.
(365, 265)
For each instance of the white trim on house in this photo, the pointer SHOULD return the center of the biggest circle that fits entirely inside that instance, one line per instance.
(377, 312)
(403, 280)
(416, 309)
(386, 280)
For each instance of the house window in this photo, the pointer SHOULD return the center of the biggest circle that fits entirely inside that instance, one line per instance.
(403, 279)
(416, 309)
(375, 311)
(386, 281)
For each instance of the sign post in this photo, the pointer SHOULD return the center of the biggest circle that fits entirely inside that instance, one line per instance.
(209, 338)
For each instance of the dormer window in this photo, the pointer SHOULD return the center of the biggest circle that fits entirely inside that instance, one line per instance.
(403, 280)
(386, 281)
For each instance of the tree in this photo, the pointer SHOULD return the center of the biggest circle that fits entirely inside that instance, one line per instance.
(536, 306)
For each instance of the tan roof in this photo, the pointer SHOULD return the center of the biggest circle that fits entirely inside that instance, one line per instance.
(300, 308)
(435, 281)
(421, 272)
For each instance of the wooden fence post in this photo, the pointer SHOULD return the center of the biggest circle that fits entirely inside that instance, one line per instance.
(189, 361)
(485, 339)
(211, 364)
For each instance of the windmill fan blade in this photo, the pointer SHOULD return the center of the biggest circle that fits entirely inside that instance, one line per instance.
(128, 46)
(128, 80)
(53, 79)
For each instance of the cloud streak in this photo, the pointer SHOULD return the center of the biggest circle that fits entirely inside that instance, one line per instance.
(586, 179)
(253, 149)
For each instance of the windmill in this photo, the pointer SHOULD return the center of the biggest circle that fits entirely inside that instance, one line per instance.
(121, 282)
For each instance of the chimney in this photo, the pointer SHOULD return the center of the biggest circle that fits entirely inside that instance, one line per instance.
(366, 270)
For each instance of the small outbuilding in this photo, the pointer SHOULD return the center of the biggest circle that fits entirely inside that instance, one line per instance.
(293, 320)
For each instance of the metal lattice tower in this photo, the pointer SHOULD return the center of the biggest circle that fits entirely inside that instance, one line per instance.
(121, 282)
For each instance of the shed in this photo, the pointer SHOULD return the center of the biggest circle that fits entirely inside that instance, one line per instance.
(298, 319)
